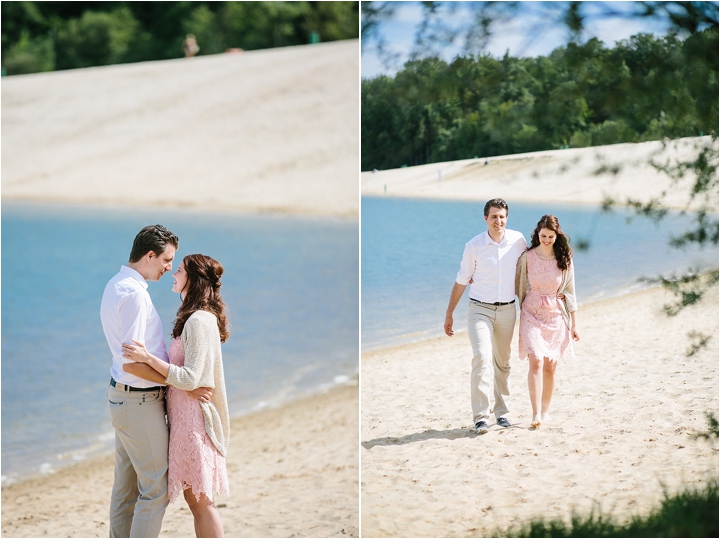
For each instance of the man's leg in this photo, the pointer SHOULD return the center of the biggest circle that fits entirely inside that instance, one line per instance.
(480, 331)
(141, 460)
(146, 441)
(124, 491)
(502, 337)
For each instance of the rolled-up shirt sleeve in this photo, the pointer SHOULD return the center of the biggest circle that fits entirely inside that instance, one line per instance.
(467, 266)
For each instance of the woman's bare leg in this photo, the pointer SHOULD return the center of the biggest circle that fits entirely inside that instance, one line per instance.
(206, 515)
(535, 387)
(548, 387)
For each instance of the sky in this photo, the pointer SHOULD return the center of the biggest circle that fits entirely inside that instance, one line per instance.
(530, 33)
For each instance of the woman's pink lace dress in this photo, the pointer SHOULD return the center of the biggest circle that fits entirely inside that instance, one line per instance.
(543, 332)
(193, 460)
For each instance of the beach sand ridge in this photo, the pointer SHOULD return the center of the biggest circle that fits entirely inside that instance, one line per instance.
(293, 472)
(575, 175)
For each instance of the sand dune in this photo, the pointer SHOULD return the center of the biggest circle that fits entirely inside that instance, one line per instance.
(272, 130)
(550, 176)
(624, 414)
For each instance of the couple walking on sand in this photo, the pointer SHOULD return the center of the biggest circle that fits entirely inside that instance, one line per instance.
(498, 265)
(161, 451)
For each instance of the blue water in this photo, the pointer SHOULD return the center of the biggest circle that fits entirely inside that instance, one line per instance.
(411, 252)
(290, 284)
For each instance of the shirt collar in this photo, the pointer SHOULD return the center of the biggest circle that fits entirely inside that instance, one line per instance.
(488, 240)
(125, 270)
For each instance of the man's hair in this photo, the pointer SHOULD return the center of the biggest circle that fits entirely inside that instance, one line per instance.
(496, 203)
(153, 238)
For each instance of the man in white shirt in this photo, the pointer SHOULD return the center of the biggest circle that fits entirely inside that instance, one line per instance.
(137, 406)
(488, 265)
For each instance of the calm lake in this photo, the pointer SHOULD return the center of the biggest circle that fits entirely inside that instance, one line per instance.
(411, 252)
(290, 284)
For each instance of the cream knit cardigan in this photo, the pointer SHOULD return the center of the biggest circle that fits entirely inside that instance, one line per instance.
(203, 368)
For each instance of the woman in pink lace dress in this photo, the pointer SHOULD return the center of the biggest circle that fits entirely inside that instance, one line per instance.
(545, 286)
(199, 429)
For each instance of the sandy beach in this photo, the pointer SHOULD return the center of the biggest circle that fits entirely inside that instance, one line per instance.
(293, 473)
(569, 175)
(625, 411)
(263, 131)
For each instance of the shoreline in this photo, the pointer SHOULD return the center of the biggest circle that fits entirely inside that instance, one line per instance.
(13, 478)
(624, 414)
(229, 210)
(629, 290)
(177, 207)
(278, 457)
(462, 329)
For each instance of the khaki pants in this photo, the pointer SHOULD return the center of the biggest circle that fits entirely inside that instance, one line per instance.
(139, 494)
(490, 329)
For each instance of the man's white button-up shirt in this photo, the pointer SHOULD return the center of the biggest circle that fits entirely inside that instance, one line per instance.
(491, 266)
(127, 313)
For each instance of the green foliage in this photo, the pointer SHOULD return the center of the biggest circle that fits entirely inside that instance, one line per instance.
(42, 36)
(690, 513)
(250, 25)
(611, 132)
(689, 289)
(702, 167)
(97, 39)
(20, 19)
(712, 431)
(30, 55)
(698, 341)
(645, 88)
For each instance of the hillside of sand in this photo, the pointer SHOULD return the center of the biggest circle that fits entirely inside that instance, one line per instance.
(271, 130)
(578, 175)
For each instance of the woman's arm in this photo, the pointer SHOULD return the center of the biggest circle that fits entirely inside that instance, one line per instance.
(573, 326)
(152, 369)
(144, 371)
(139, 353)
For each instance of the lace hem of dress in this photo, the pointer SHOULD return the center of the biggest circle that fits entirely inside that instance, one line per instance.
(181, 486)
(568, 354)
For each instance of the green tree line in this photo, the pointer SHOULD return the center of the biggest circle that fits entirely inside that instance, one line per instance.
(644, 88)
(47, 36)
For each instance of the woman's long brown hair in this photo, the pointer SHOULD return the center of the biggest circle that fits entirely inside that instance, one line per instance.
(202, 293)
(563, 252)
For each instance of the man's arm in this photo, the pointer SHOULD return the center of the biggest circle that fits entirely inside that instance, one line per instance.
(457, 292)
